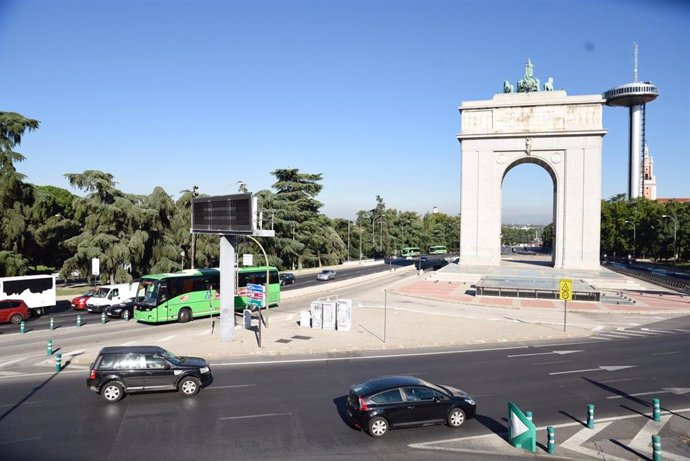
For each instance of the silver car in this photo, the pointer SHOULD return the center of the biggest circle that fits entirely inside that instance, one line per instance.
(326, 274)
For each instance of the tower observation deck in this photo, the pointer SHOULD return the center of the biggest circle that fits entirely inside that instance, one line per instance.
(634, 95)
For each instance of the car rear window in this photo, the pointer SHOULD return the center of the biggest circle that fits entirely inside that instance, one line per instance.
(107, 362)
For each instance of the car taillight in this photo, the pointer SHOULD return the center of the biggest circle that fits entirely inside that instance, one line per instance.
(92, 375)
(362, 404)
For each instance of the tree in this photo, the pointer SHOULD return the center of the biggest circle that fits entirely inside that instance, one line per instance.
(14, 194)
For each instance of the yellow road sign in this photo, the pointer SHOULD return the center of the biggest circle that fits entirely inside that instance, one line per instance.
(565, 290)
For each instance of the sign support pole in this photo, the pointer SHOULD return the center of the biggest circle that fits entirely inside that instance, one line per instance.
(227, 287)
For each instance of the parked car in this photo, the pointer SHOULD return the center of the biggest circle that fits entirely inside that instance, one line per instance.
(287, 278)
(13, 311)
(118, 310)
(79, 302)
(393, 402)
(127, 369)
(107, 295)
(326, 274)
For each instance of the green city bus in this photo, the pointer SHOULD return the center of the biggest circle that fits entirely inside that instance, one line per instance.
(193, 293)
(410, 252)
(438, 250)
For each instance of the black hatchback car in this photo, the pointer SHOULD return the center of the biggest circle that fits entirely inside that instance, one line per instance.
(393, 402)
(127, 369)
(287, 278)
(118, 310)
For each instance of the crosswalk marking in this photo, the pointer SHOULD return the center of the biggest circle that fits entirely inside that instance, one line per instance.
(604, 334)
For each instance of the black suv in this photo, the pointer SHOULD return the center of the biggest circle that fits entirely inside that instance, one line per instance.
(126, 369)
(401, 401)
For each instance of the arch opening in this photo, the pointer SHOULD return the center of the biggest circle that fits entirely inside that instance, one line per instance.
(528, 212)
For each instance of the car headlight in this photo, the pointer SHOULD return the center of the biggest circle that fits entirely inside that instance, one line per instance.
(469, 400)
(203, 370)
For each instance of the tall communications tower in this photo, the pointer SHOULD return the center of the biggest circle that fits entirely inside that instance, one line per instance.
(634, 95)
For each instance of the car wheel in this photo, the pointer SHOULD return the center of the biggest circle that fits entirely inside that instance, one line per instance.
(377, 427)
(189, 386)
(456, 417)
(185, 315)
(16, 319)
(112, 391)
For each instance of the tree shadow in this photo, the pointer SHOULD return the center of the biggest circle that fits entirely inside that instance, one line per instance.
(28, 396)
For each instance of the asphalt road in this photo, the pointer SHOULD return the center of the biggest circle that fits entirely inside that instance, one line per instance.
(294, 410)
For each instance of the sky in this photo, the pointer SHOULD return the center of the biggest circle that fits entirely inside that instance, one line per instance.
(209, 93)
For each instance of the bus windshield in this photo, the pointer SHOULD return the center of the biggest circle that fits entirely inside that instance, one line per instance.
(147, 293)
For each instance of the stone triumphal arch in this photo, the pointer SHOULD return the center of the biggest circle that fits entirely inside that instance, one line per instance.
(561, 133)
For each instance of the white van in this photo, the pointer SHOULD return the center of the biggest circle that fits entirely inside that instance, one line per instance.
(107, 295)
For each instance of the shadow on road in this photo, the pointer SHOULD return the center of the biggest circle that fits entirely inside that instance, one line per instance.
(341, 406)
(577, 420)
(636, 453)
(494, 426)
(615, 391)
(28, 396)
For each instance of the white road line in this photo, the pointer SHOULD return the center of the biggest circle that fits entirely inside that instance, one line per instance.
(337, 359)
(681, 330)
(205, 332)
(611, 397)
(583, 435)
(266, 415)
(666, 353)
(128, 343)
(68, 354)
(627, 333)
(643, 439)
(548, 363)
(598, 327)
(167, 338)
(10, 362)
(650, 333)
(5, 405)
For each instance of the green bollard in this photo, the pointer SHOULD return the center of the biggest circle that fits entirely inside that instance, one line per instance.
(49, 348)
(551, 445)
(21, 327)
(656, 448)
(78, 320)
(103, 318)
(656, 415)
(58, 361)
(590, 416)
(529, 415)
(52, 324)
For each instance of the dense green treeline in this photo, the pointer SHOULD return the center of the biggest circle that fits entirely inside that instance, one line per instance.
(133, 235)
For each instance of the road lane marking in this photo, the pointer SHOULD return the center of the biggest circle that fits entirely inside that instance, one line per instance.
(205, 332)
(4, 405)
(336, 359)
(28, 439)
(619, 380)
(167, 338)
(265, 415)
(599, 368)
(642, 439)
(543, 353)
(583, 435)
(665, 332)
(548, 363)
(77, 352)
(128, 343)
(656, 353)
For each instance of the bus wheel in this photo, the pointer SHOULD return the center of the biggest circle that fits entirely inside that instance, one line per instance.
(185, 315)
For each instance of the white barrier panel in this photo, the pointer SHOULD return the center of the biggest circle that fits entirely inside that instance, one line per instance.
(344, 314)
(329, 315)
(305, 319)
(316, 314)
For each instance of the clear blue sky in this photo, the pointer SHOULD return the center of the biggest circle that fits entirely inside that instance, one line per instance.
(177, 93)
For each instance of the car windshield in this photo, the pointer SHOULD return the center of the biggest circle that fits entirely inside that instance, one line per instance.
(147, 293)
(325, 272)
(101, 293)
(90, 292)
(172, 357)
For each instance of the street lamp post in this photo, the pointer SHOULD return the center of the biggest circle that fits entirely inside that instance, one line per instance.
(634, 238)
(675, 231)
(348, 240)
